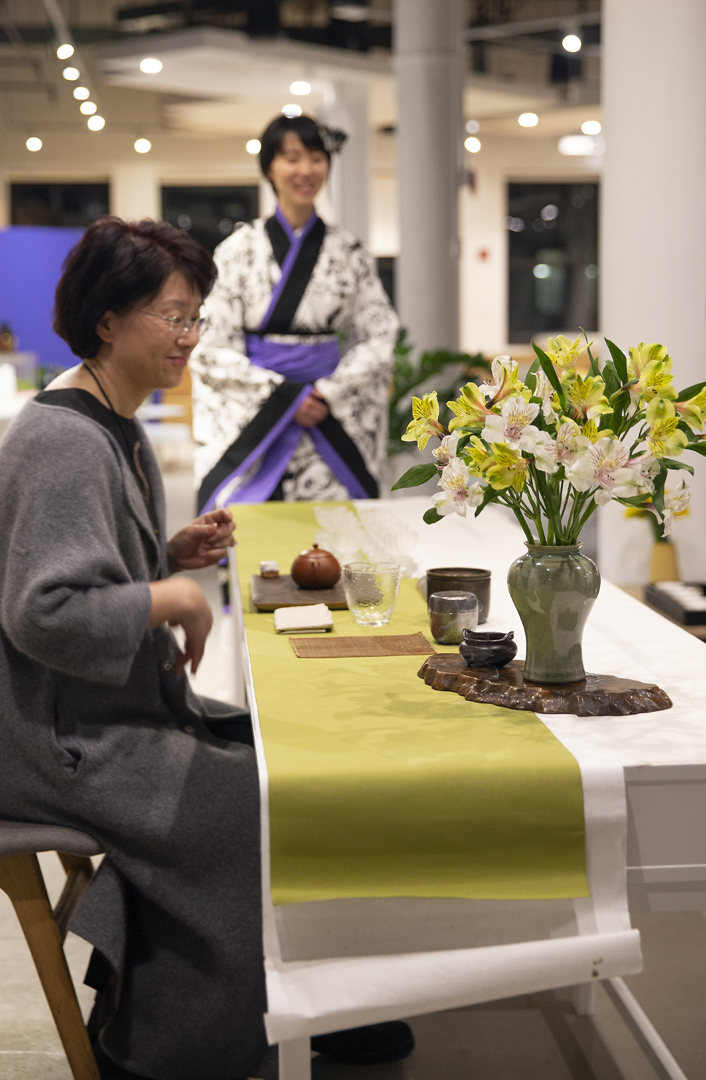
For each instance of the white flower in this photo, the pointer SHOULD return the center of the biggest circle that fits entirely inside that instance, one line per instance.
(505, 379)
(645, 467)
(458, 490)
(570, 443)
(544, 450)
(447, 449)
(546, 392)
(513, 426)
(604, 466)
(675, 502)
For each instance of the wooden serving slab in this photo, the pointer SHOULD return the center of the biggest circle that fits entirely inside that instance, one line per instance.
(596, 695)
(271, 593)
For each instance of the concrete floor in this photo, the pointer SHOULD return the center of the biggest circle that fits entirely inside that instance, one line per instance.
(529, 1038)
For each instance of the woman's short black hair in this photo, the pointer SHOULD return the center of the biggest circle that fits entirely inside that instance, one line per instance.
(272, 138)
(117, 264)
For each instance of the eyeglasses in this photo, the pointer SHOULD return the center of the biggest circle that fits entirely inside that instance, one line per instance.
(178, 323)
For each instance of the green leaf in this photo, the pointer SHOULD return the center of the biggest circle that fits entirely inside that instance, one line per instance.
(672, 464)
(595, 370)
(610, 378)
(658, 493)
(697, 447)
(691, 435)
(548, 369)
(462, 443)
(619, 359)
(489, 495)
(418, 474)
(431, 517)
(635, 500)
(691, 391)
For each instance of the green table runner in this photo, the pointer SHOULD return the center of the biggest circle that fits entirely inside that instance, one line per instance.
(380, 786)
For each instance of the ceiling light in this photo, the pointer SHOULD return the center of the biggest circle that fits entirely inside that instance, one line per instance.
(143, 146)
(472, 145)
(591, 127)
(528, 119)
(34, 144)
(582, 145)
(253, 146)
(65, 51)
(71, 74)
(300, 88)
(472, 126)
(572, 43)
(95, 123)
(150, 65)
(81, 93)
(542, 270)
(88, 108)
(292, 110)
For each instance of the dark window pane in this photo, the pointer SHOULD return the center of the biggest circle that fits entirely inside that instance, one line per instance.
(386, 270)
(209, 214)
(553, 258)
(69, 206)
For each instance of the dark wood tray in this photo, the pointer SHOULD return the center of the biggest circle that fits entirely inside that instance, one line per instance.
(271, 593)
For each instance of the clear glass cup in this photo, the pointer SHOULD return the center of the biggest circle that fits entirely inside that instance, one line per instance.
(371, 591)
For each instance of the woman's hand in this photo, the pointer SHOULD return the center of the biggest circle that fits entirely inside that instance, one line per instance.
(312, 410)
(180, 602)
(202, 543)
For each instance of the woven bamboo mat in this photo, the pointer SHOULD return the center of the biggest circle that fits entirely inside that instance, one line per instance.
(386, 645)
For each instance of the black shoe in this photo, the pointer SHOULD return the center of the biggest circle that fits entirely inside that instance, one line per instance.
(374, 1044)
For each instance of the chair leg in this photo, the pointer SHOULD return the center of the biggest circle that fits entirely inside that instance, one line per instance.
(21, 878)
(79, 871)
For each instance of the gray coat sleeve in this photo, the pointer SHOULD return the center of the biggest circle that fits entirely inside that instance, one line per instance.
(68, 600)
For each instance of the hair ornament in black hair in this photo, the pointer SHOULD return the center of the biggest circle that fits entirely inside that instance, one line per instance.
(332, 138)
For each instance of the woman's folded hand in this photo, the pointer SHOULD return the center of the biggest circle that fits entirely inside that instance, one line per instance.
(204, 542)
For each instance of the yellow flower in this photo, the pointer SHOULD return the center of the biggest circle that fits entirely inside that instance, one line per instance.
(651, 365)
(693, 411)
(509, 468)
(426, 421)
(585, 396)
(563, 352)
(590, 430)
(506, 380)
(664, 439)
(470, 408)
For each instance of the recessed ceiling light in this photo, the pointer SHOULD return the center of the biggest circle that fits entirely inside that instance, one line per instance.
(591, 127)
(143, 146)
(582, 145)
(572, 43)
(292, 110)
(71, 74)
(88, 108)
(96, 123)
(150, 65)
(34, 144)
(528, 119)
(81, 93)
(65, 51)
(472, 126)
(300, 88)
(472, 145)
(253, 146)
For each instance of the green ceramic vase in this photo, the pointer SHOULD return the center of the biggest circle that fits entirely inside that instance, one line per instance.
(553, 589)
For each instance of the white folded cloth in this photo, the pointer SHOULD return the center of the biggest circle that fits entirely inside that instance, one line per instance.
(315, 618)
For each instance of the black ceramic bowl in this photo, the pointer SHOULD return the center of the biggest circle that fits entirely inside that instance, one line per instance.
(465, 579)
(488, 649)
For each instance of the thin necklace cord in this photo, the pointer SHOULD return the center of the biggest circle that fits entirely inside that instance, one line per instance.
(131, 455)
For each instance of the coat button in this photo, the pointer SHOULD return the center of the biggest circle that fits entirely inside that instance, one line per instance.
(167, 665)
(189, 729)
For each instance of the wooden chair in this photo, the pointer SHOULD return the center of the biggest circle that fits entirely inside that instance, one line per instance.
(44, 929)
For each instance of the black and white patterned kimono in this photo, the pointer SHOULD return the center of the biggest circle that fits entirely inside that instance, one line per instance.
(290, 311)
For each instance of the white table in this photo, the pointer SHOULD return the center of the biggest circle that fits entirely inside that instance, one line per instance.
(663, 754)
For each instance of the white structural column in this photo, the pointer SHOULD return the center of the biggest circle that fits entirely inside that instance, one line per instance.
(350, 178)
(653, 232)
(430, 50)
(135, 192)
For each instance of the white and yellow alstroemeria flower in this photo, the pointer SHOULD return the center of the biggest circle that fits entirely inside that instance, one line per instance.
(508, 468)
(446, 451)
(675, 504)
(570, 443)
(664, 438)
(514, 425)
(547, 393)
(586, 397)
(651, 365)
(425, 411)
(564, 353)
(604, 466)
(693, 411)
(458, 490)
(469, 407)
(506, 380)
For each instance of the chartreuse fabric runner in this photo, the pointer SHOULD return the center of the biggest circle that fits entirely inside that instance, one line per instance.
(381, 786)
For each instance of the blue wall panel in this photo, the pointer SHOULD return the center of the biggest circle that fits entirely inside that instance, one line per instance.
(30, 266)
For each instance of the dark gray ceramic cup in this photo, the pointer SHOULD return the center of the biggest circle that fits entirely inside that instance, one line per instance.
(465, 579)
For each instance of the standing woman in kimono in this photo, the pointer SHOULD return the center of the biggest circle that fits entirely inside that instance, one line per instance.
(292, 373)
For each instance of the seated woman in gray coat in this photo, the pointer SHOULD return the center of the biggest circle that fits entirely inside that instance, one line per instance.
(99, 729)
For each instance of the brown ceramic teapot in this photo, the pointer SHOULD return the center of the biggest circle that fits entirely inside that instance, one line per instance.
(315, 569)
